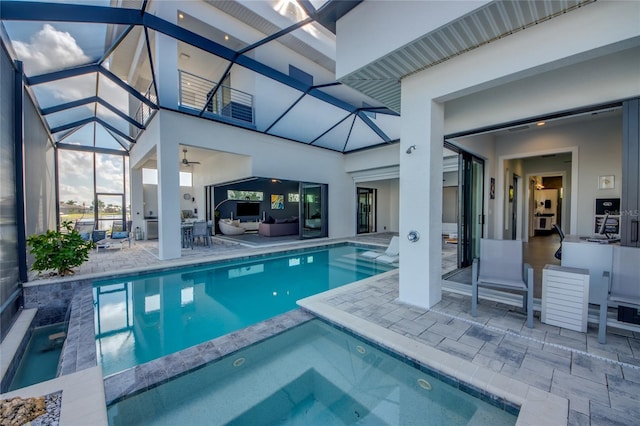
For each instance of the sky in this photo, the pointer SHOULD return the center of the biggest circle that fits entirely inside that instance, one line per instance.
(46, 47)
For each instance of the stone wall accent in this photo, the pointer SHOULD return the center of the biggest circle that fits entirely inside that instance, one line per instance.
(79, 350)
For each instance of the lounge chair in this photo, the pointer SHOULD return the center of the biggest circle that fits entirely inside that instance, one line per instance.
(117, 238)
(85, 229)
(390, 255)
(501, 266)
(230, 227)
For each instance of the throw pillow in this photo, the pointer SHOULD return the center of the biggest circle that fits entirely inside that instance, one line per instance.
(119, 234)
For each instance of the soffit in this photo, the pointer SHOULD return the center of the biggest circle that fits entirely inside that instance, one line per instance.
(267, 27)
(381, 79)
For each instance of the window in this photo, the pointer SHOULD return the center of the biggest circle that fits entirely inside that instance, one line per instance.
(150, 177)
(186, 179)
(369, 114)
(300, 75)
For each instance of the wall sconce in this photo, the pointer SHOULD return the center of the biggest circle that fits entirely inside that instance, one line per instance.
(411, 149)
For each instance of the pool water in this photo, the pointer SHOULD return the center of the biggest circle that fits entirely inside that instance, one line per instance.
(313, 374)
(141, 318)
(41, 356)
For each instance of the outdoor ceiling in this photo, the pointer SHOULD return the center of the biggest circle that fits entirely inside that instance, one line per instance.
(89, 66)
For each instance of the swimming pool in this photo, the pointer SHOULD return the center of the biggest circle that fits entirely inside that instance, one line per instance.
(313, 374)
(41, 356)
(145, 317)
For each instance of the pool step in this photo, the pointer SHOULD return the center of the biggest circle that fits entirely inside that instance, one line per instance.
(353, 262)
(56, 336)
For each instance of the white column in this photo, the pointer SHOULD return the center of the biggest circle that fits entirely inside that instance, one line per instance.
(137, 198)
(166, 59)
(420, 196)
(169, 242)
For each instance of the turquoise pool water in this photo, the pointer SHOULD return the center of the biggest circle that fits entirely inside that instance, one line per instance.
(312, 374)
(41, 356)
(141, 318)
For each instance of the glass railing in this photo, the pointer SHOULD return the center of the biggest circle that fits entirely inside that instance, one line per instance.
(196, 91)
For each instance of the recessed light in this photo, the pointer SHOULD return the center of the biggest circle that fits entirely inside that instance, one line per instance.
(180, 15)
(226, 37)
(540, 123)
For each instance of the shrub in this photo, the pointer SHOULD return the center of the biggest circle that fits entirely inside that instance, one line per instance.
(58, 250)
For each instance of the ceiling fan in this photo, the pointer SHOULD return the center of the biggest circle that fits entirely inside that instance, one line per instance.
(187, 162)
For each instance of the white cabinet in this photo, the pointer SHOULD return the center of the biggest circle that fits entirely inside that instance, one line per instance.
(565, 297)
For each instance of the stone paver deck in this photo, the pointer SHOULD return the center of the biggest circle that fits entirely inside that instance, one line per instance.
(601, 382)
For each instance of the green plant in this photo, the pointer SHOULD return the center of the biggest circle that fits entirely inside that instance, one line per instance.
(60, 250)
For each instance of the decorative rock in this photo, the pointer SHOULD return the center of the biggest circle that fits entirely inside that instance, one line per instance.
(18, 411)
(41, 411)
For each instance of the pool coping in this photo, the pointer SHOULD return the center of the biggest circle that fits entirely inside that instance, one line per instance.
(181, 262)
(536, 406)
(14, 342)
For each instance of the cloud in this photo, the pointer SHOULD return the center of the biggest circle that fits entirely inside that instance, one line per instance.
(76, 175)
(48, 50)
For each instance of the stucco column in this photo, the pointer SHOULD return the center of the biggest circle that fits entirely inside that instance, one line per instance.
(137, 199)
(420, 196)
(169, 242)
(166, 59)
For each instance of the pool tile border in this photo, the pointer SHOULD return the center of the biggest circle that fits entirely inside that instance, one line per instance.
(536, 407)
(147, 376)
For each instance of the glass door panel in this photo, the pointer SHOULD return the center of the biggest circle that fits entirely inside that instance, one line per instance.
(110, 212)
(477, 185)
(313, 208)
(470, 199)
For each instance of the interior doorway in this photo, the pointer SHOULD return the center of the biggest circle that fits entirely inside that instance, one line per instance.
(366, 208)
(545, 203)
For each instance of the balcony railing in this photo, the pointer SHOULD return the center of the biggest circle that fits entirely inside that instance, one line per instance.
(227, 102)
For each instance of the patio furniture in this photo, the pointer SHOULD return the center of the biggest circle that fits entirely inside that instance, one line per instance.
(85, 229)
(230, 227)
(501, 266)
(620, 285)
(390, 255)
(200, 232)
(117, 238)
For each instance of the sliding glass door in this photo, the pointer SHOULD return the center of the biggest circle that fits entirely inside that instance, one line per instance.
(313, 210)
(470, 205)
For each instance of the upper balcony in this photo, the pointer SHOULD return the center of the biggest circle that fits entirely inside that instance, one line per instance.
(223, 101)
